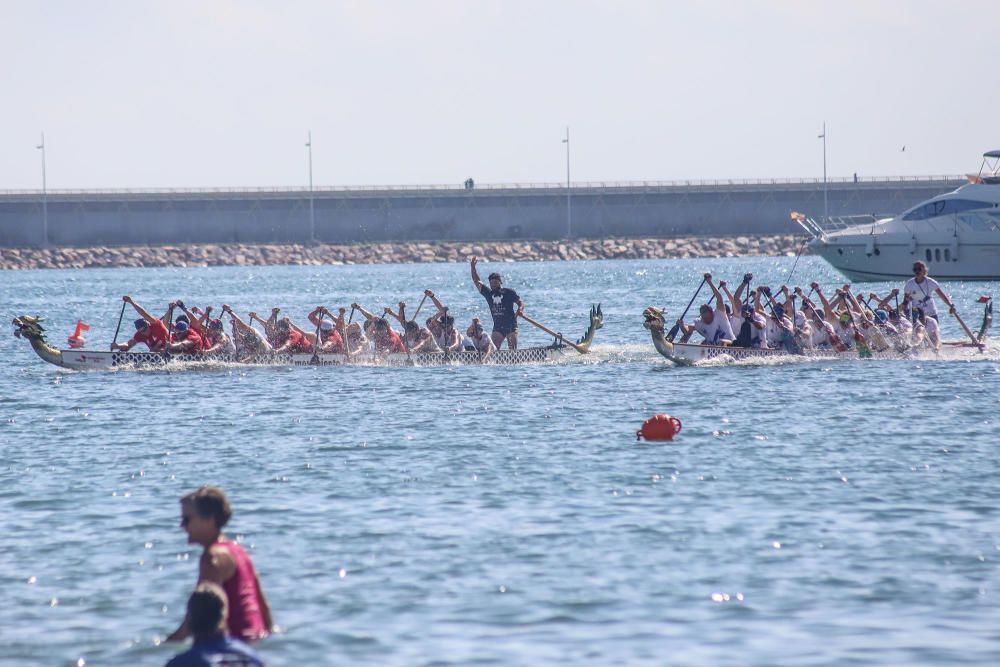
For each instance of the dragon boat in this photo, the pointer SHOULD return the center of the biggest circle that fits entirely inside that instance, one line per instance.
(29, 327)
(686, 354)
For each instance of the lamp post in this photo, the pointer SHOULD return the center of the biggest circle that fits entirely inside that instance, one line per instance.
(569, 209)
(312, 212)
(45, 197)
(826, 213)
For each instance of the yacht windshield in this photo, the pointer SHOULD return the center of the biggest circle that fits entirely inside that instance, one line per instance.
(933, 209)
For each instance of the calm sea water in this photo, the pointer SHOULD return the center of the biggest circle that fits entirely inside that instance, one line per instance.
(808, 514)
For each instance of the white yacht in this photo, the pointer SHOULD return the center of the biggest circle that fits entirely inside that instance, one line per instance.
(957, 234)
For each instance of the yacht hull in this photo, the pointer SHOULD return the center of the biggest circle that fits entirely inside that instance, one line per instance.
(864, 258)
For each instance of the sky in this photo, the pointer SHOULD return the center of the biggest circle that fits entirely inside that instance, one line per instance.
(223, 93)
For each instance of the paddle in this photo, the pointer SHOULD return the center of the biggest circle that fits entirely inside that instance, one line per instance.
(319, 326)
(118, 328)
(578, 348)
(787, 337)
(673, 331)
(972, 337)
(419, 306)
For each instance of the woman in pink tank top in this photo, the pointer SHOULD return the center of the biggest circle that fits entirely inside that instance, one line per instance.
(203, 515)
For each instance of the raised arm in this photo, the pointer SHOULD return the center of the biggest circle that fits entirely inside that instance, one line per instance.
(475, 274)
(437, 303)
(729, 295)
(368, 315)
(400, 316)
(719, 303)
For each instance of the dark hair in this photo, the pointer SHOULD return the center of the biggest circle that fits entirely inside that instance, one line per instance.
(210, 502)
(141, 323)
(207, 609)
(381, 324)
(447, 320)
(283, 324)
(495, 275)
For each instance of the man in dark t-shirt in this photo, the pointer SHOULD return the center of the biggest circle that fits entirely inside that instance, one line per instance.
(502, 302)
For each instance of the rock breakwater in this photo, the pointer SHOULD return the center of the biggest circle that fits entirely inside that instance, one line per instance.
(392, 253)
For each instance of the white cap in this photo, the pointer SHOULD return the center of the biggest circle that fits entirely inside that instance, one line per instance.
(326, 325)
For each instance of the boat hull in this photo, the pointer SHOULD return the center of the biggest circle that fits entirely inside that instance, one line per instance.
(87, 360)
(862, 258)
(689, 353)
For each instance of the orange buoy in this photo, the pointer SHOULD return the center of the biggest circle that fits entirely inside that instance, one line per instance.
(659, 427)
(76, 340)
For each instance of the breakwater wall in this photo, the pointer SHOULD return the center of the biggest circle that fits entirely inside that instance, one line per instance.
(383, 253)
(65, 218)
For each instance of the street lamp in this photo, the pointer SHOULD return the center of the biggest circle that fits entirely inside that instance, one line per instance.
(45, 197)
(312, 212)
(569, 210)
(826, 213)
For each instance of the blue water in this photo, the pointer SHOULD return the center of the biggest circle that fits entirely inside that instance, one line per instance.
(809, 513)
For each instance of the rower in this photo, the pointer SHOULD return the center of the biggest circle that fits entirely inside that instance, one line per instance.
(250, 341)
(415, 337)
(480, 342)
(843, 329)
(185, 340)
(290, 338)
(712, 324)
(501, 301)
(217, 340)
(330, 340)
(744, 317)
(921, 289)
(442, 326)
(926, 331)
(148, 330)
(270, 326)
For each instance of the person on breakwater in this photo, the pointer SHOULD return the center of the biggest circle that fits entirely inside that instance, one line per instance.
(148, 330)
(207, 613)
(204, 513)
(501, 301)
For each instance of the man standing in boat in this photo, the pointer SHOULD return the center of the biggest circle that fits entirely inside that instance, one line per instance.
(148, 330)
(919, 291)
(501, 301)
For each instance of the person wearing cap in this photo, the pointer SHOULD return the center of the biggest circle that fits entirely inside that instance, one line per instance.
(185, 340)
(149, 330)
(920, 291)
(713, 325)
(502, 302)
(207, 614)
(330, 340)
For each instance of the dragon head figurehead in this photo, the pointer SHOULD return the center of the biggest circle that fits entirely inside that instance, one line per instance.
(30, 327)
(655, 323)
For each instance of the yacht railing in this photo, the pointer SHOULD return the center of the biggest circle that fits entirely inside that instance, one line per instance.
(820, 229)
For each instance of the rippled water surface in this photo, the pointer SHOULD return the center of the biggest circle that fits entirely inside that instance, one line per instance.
(809, 513)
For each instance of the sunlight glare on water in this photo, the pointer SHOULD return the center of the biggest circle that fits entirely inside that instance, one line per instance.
(810, 512)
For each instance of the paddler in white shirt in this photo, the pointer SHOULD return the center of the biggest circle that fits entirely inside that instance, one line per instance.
(920, 290)
(712, 324)
(754, 333)
(841, 323)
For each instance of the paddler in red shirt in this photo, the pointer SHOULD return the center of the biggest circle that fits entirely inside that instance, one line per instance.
(386, 340)
(148, 330)
(290, 339)
(330, 340)
(186, 340)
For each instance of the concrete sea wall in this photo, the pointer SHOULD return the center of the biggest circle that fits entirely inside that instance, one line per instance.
(445, 213)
